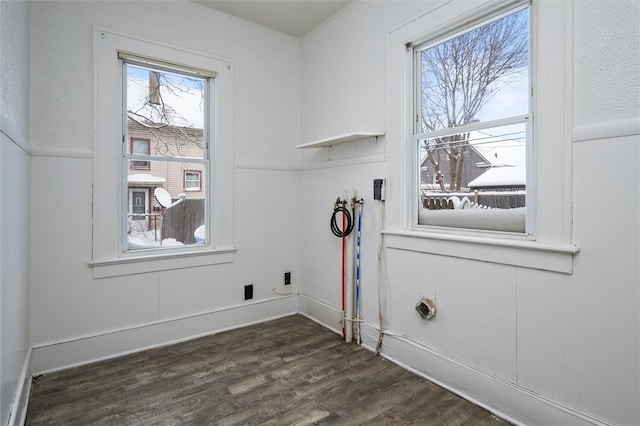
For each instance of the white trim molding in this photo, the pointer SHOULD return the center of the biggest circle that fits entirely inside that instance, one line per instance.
(525, 253)
(107, 344)
(161, 262)
(61, 152)
(321, 312)
(20, 143)
(607, 130)
(18, 413)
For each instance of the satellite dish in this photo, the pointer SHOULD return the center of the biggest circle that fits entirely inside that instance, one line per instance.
(162, 196)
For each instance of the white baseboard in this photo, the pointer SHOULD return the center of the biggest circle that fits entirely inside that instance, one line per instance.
(61, 355)
(504, 399)
(18, 413)
(321, 312)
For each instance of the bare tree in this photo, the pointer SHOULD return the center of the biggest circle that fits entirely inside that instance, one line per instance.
(173, 131)
(460, 75)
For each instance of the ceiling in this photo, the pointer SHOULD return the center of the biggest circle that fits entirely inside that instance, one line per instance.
(295, 17)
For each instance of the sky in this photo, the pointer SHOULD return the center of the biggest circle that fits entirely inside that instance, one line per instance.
(186, 98)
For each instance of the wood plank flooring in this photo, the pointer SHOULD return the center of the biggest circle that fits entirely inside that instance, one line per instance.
(282, 372)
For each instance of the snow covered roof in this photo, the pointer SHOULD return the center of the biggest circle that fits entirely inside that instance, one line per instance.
(145, 178)
(498, 150)
(500, 176)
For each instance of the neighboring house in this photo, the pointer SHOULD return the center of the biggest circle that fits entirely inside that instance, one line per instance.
(489, 162)
(470, 169)
(500, 178)
(177, 178)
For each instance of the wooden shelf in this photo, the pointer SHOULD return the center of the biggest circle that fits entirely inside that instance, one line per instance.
(337, 140)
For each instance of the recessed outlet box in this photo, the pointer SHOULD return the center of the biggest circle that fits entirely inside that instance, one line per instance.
(287, 278)
(248, 292)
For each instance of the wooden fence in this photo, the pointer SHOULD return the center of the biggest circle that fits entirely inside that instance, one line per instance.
(180, 221)
(494, 200)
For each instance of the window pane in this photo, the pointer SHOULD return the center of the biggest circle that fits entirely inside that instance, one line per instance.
(192, 180)
(474, 180)
(165, 119)
(477, 76)
(151, 221)
(167, 108)
(140, 146)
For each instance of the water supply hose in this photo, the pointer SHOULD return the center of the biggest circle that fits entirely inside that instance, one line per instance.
(342, 232)
(347, 216)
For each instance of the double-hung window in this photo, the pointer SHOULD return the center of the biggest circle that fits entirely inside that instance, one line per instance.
(472, 132)
(167, 104)
(163, 157)
(480, 156)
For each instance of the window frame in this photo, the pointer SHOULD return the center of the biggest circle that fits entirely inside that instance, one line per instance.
(525, 119)
(109, 254)
(550, 244)
(161, 66)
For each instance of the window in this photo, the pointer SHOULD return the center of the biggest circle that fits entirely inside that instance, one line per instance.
(471, 134)
(160, 110)
(167, 104)
(140, 146)
(546, 239)
(192, 180)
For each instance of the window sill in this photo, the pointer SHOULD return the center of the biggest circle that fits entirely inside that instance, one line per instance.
(160, 262)
(524, 253)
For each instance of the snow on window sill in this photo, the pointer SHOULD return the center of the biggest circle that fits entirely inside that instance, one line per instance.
(160, 262)
(515, 252)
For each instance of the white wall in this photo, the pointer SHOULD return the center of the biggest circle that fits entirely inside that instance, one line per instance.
(76, 318)
(14, 209)
(538, 347)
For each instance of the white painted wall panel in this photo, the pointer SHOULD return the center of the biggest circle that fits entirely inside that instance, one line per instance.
(320, 260)
(15, 299)
(267, 213)
(608, 277)
(475, 305)
(15, 183)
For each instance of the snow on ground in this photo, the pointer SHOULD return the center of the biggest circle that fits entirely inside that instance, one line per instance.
(509, 220)
(146, 239)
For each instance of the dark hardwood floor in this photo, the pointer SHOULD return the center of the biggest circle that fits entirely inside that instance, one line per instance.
(282, 372)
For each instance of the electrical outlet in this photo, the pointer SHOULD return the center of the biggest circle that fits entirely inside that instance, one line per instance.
(248, 292)
(287, 278)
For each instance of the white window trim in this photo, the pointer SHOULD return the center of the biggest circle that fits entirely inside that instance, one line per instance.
(550, 217)
(109, 257)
